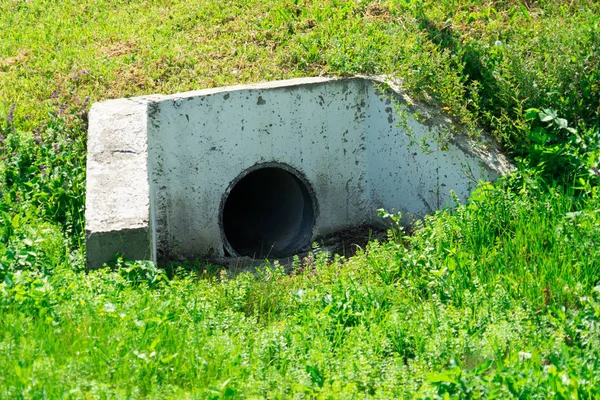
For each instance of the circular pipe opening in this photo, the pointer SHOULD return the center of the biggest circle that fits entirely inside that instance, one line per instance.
(268, 211)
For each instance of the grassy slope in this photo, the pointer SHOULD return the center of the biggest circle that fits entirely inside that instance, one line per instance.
(493, 298)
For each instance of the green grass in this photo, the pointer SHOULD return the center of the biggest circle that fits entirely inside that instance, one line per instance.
(499, 297)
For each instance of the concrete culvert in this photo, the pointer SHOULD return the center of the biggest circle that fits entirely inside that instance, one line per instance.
(269, 211)
(183, 176)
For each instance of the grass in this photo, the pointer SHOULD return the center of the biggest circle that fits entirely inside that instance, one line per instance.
(498, 297)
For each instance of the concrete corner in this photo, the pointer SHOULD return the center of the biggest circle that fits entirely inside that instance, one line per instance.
(118, 193)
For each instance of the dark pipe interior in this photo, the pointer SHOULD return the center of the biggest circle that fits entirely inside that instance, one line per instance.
(268, 213)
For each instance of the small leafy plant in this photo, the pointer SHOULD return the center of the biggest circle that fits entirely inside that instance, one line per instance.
(561, 154)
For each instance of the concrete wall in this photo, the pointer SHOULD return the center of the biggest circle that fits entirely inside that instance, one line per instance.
(343, 135)
(409, 178)
(118, 194)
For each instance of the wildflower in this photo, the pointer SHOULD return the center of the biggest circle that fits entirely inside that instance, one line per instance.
(109, 307)
(523, 355)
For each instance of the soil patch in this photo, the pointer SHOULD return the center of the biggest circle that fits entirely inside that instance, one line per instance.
(344, 243)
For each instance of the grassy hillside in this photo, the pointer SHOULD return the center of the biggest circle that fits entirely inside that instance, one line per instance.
(499, 297)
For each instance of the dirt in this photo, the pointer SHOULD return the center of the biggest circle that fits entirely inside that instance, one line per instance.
(344, 243)
(20, 58)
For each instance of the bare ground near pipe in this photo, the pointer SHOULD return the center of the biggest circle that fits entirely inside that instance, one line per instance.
(344, 243)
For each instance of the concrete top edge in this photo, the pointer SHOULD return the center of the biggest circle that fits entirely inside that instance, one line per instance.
(253, 86)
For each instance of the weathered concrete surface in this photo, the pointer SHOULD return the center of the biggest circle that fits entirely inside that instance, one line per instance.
(118, 195)
(160, 167)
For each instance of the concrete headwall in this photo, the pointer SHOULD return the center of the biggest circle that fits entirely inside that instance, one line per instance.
(160, 167)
